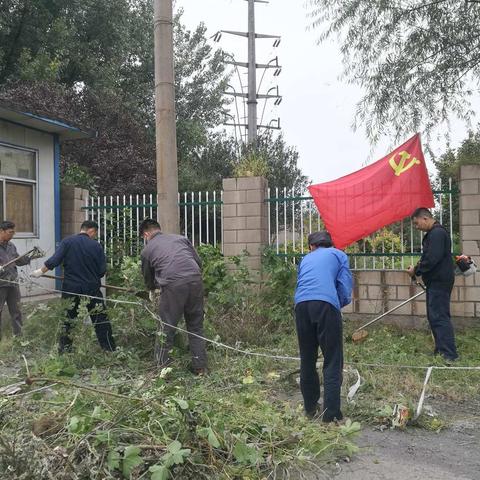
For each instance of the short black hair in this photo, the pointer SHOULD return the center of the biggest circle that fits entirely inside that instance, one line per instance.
(89, 224)
(147, 225)
(422, 212)
(320, 239)
(7, 225)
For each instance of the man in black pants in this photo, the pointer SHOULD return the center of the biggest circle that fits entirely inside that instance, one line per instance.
(438, 273)
(324, 286)
(171, 266)
(84, 265)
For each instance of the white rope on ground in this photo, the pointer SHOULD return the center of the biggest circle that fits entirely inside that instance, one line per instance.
(220, 344)
(412, 367)
(239, 350)
(53, 290)
(352, 390)
(422, 395)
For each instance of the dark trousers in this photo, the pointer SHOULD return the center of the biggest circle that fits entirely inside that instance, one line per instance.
(177, 299)
(97, 311)
(319, 324)
(11, 295)
(438, 314)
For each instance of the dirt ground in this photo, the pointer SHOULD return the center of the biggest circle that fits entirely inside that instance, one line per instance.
(452, 453)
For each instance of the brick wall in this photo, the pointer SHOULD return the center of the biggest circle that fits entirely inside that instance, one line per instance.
(72, 199)
(245, 226)
(378, 291)
(469, 293)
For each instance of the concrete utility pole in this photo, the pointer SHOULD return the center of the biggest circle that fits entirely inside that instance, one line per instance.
(165, 127)
(252, 76)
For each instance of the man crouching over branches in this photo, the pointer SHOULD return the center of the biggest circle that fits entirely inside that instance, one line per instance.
(324, 286)
(171, 265)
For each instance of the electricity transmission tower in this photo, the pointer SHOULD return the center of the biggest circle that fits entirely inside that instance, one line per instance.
(252, 95)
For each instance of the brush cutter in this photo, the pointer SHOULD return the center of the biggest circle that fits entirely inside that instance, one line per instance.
(138, 293)
(360, 334)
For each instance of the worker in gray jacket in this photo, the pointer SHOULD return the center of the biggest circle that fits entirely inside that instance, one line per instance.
(171, 266)
(9, 290)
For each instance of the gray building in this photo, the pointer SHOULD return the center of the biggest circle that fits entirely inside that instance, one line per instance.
(30, 177)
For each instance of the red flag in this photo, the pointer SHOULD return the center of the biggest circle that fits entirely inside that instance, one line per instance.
(354, 206)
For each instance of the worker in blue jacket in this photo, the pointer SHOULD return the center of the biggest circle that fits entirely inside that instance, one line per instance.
(84, 266)
(324, 286)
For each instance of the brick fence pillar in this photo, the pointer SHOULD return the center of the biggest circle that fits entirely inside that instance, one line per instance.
(470, 235)
(72, 199)
(245, 222)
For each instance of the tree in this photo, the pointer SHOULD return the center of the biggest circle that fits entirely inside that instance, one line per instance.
(448, 166)
(281, 160)
(221, 157)
(66, 40)
(92, 63)
(120, 159)
(416, 60)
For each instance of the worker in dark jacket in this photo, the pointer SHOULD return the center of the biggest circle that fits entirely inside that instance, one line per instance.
(171, 266)
(9, 291)
(84, 265)
(438, 273)
(324, 286)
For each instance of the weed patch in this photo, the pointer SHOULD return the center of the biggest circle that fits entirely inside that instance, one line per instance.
(95, 415)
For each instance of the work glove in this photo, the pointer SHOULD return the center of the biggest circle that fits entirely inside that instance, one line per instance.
(36, 273)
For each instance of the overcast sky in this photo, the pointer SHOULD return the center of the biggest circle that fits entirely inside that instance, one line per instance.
(317, 109)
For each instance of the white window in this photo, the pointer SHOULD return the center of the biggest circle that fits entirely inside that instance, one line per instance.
(18, 188)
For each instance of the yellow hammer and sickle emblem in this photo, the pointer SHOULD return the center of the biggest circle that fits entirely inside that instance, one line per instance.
(400, 167)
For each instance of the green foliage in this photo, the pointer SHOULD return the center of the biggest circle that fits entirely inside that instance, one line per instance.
(165, 425)
(131, 459)
(416, 61)
(115, 415)
(214, 267)
(280, 276)
(78, 176)
(448, 167)
(113, 460)
(246, 454)
(175, 454)
(209, 434)
(69, 41)
(387, 240)
(91, 63)
(277, 161)
(159, 472)
(252, 164)
(239, 308)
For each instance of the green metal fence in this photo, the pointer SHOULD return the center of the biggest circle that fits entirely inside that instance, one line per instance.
(293, 216)
(119, 217)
